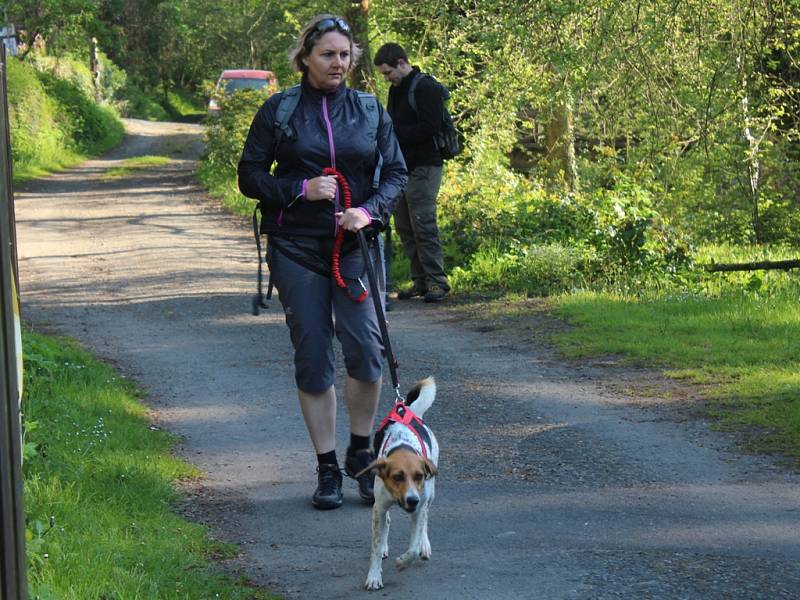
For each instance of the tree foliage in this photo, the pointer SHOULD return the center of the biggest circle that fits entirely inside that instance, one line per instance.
(689, 109)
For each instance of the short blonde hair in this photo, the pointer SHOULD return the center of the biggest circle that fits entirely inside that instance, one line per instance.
(310, 35)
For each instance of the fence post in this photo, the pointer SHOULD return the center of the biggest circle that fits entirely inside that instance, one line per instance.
(13, 585)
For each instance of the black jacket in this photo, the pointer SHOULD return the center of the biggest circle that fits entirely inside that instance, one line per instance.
(415, 131)
(308, 152)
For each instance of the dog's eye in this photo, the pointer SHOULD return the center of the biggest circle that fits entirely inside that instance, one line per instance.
(398, 477)
(418, 477)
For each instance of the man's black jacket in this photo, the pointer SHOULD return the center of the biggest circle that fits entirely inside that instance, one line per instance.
(415, 130)
(309, 151)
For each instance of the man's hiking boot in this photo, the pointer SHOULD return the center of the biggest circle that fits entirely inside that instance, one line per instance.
(355, 463)
(329, 488)
(414, 292)
(435, 293)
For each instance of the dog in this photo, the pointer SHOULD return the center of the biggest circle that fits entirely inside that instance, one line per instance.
(407, 455)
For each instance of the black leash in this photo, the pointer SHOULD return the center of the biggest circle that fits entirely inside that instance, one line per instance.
(259, 301)
(376, 300)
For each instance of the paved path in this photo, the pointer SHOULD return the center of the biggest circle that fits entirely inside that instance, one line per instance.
(549, 486)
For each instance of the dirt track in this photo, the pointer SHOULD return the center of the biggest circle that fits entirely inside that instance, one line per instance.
(551, 486)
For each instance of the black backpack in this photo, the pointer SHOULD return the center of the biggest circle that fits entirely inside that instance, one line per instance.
(447, 140)
(289, 101)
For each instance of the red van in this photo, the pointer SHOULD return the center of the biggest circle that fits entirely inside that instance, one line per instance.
(238, 79)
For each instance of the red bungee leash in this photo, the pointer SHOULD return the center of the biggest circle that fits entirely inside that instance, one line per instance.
(347, 202)
(373, 281)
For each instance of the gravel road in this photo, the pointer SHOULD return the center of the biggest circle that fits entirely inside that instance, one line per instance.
(551, 486)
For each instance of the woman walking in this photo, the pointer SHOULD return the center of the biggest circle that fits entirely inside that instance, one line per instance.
(324, 185)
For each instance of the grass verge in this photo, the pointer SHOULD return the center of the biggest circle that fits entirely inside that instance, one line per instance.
(129, 166)
(99, 490)
(743, 343)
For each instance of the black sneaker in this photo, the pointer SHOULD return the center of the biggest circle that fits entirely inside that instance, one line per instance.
(414, 292)
(329, 488)
(355, 463)
(435, 294)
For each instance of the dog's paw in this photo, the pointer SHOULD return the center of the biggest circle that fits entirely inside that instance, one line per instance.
(374, 582)
(425, 550)
(405, 559)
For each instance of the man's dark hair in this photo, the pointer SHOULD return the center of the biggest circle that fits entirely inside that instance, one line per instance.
(389, 54)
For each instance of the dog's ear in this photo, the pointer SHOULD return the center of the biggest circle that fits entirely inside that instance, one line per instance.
(376, 467)
(430, 468)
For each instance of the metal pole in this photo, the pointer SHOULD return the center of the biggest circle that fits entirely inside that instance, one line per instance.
(13, 584)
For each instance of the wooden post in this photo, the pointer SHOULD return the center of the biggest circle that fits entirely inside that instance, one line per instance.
(13, 585)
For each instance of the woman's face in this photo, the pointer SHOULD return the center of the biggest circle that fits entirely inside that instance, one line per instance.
(329, 61)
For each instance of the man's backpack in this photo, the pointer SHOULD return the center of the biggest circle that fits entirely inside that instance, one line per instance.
(447, 140)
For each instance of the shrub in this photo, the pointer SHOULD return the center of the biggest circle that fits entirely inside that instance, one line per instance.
(90, 128)
(53, 121)
(536, 270)
(136, 103)
(227, 131)
(497, 223)
(31, 113)
(65, 67)
(225, 139)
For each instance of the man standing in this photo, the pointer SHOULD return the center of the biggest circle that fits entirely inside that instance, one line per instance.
(415, 214)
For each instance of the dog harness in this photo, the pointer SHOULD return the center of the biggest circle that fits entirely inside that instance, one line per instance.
(402, 415)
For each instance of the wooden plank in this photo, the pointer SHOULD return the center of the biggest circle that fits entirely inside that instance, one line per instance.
(13, 584)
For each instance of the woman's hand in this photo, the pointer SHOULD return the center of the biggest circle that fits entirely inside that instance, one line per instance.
(353, 219)
(321, 188)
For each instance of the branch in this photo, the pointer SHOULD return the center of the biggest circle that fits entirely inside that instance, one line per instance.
(755, 266)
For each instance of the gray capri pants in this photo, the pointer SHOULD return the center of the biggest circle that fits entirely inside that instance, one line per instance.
(316, 308)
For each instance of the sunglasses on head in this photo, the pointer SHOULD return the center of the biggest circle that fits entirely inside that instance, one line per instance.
(326, 25)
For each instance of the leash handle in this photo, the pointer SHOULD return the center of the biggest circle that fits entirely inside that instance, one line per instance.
(347, 201)
(376, 300)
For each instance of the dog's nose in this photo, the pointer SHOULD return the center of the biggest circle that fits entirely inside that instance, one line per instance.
(412, 502)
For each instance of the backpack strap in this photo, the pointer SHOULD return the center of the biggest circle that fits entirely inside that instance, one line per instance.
(259, 301)
(289, 100)
(370, 106)
(412, 89)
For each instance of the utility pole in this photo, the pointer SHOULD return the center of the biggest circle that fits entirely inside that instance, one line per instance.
(13, 585)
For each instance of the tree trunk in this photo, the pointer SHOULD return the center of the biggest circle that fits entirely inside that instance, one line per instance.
(362, 76)
(753, 170)
(560, 146)
(753, 165)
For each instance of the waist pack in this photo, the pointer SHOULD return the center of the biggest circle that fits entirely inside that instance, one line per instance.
(447, 140)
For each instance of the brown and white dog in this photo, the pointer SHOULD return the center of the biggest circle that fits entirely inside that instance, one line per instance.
(406, 466)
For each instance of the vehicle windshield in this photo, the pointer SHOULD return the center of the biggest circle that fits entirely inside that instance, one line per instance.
(231, 85)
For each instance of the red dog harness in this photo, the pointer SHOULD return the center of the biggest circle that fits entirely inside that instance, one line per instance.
(404, 415)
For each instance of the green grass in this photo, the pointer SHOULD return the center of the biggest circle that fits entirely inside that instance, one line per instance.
(743, 342)
(225, 187)
(183, 106)
(46, 165)
(129, 166)
(99, 490)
